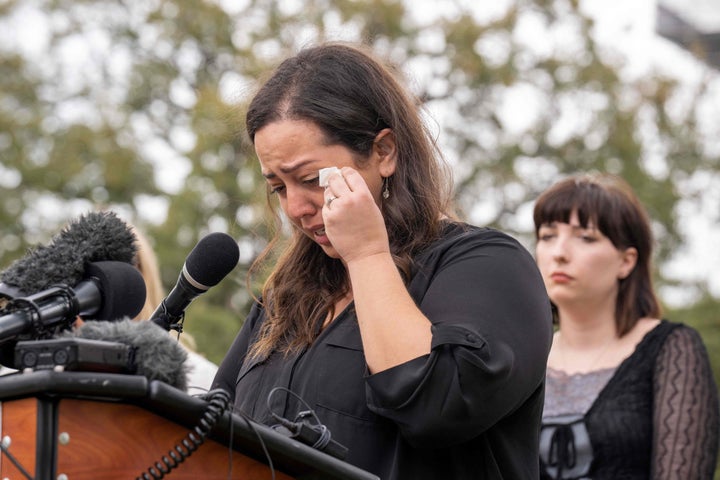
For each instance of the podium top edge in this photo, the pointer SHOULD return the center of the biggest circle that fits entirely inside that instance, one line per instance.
(180, 407)
(50, 382)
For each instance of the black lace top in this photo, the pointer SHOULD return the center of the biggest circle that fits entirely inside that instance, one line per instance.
(657, 417)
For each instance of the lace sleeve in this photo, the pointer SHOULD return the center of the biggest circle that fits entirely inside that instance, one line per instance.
(686, 418)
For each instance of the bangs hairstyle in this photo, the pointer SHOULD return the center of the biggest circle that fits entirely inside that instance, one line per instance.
(608, 203)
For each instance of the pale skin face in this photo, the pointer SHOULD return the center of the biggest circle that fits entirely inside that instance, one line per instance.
(580, 266)
(292, 151)
(581, 269)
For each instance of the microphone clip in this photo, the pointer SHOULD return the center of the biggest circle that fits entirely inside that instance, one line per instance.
(315, 435)
(30, 304)
(165, 320)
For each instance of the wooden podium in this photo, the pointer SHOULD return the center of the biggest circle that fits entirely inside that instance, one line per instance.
(83, 425)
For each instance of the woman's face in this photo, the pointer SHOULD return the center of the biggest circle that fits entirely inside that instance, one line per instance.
(291, 152)
(580, 265)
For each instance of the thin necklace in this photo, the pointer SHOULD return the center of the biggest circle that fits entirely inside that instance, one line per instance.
(591, 366)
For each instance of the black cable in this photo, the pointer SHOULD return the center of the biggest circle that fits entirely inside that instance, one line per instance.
(250, 422)
(316, 435)
(251, 425)
(284, 421)
(15, 461)
(218, 401)
(230, 446)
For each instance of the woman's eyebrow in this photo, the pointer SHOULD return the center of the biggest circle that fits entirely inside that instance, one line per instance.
(289, 168)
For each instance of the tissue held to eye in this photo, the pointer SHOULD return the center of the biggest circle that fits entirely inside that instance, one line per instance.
(325, 175)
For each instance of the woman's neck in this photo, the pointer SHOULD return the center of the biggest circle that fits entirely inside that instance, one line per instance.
(340, 305)
(589, 333)
(588, 340)
(584, 342)
(584, 327)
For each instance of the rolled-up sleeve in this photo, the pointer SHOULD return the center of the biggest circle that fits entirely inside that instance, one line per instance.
(492, 329)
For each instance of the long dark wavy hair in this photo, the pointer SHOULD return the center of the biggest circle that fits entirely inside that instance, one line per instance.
(610, 204)
(351, 96)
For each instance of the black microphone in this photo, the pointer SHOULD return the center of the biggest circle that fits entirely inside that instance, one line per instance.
(214, 256)
(94, 237)
(111, 290)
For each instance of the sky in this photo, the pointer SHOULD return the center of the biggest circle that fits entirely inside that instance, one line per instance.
(629, 26)
(704, 14)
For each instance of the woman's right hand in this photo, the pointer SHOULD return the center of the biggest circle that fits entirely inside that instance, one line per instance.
(353, 221)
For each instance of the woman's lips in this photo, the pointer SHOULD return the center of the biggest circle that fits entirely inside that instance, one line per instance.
(560, 277)
(320, 236)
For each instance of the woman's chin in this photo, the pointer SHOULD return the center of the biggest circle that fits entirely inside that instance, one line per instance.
(330, 251)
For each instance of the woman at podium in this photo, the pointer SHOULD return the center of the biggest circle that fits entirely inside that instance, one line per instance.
(415, 340)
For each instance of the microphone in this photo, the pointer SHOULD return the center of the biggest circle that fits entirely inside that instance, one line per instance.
(155, 354)
(94, 237)
(111, 290)
(214, 256)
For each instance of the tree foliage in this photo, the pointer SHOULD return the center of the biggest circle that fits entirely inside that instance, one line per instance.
(139, 106)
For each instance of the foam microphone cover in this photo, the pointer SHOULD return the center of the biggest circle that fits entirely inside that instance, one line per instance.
(215, 255)
(94, 237)
(122, 290)
(111, 290)
(157, 355)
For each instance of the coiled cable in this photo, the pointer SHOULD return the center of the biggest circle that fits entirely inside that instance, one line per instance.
(218, 401)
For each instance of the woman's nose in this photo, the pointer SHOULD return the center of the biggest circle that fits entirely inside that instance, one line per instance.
(560, 251)
(300, 203)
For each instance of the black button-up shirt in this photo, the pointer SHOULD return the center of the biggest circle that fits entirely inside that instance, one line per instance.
(470, 409)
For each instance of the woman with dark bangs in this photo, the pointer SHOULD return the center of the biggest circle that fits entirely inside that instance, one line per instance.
(628, 395)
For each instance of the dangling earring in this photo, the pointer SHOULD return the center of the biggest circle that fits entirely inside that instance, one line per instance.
(386, 189)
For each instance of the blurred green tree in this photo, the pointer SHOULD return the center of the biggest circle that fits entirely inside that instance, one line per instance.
(138, 106)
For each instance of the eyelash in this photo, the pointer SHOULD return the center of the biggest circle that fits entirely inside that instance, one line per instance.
(585, 238)
(311, 181)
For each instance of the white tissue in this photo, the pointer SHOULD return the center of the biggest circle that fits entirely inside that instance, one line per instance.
(325, 174)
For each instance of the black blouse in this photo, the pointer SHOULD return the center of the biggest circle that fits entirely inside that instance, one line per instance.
(657, 417)
(470, 409)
